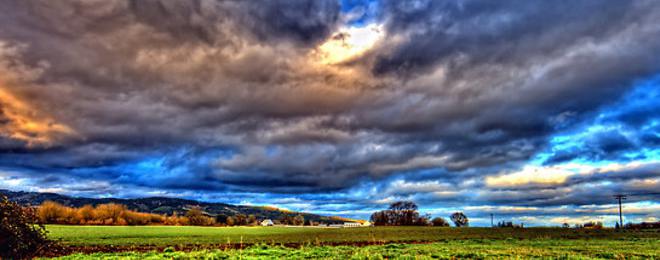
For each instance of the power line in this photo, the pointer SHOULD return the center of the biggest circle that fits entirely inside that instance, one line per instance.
(620, 197)
(644, 194)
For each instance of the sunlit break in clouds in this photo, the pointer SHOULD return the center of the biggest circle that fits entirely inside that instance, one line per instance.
(349, 43)
(535, 111)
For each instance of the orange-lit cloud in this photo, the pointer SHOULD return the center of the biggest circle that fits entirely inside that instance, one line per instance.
(25, 123)
(531, 175)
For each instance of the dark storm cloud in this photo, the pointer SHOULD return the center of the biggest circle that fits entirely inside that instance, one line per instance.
(123, 110)
(227, 95)
(526, 62)
(497, 32)
(304, 21)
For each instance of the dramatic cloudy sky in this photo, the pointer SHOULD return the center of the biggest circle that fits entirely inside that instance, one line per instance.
(536, 111)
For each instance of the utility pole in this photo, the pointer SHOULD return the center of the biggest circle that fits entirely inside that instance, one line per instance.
(491, 220)
(620, 197)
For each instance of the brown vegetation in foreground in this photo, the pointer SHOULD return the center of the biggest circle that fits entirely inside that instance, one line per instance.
(115, 214)
(21, 235)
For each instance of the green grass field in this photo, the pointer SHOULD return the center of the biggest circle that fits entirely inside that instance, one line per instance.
(472, 249)
(265, 242)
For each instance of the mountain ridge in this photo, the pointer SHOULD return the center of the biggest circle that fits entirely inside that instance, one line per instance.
(165, 205)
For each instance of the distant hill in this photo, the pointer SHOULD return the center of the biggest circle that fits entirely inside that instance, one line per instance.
(163, 205)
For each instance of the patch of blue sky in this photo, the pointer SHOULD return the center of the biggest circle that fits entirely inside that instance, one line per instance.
(147, 165)
(272, 150)
(155, 167)
(360, 13)
(633, 116)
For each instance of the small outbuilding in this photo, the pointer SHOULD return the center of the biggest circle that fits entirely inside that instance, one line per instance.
(267, 223)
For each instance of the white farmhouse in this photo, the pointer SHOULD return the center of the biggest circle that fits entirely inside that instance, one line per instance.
(267, 223)
(352, 224)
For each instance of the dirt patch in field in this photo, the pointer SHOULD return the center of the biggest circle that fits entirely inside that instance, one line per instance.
(72, 249)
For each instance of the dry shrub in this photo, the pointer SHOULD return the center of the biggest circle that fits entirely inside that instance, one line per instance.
(110, 212)
(197, 218)
(87, 214)
(50, 212)
(115, 214)
(158, 219)
(137, 218)
(179, 221)
(21, 235)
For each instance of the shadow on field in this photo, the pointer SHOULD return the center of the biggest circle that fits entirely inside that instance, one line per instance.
(90, 249)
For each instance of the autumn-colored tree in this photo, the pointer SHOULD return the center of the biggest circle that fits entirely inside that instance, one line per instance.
(252, 220)
(116, 214)
(240, 219)
(183, 221)
(50, 212)
(298, 220)
(138, 218)
(87, 214)
(197, 218)
(230, 221)
(157, 219)
(105, 214)
(171, 220)
(110, 214)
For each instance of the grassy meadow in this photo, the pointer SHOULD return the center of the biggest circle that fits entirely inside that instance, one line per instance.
(143, 242)
(470, 249)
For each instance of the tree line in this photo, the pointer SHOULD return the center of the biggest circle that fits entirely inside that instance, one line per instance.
(119, 215)
(251, 220)
(404, 213)
(115, 214)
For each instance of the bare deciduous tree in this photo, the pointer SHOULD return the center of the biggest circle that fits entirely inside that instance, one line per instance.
(402, 213)
(460, 219)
